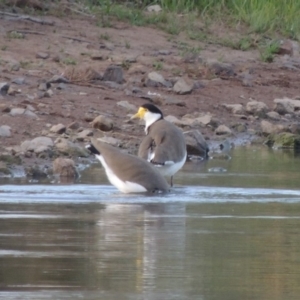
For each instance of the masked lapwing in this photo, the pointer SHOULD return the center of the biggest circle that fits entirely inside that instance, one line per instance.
(128, 173)
(164, 145)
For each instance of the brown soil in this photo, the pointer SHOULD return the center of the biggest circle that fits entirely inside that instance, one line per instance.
(76, 39)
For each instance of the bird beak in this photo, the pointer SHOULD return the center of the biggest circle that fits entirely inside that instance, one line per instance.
(139, 115)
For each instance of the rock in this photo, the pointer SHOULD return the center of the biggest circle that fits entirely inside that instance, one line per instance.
(183, 87)
(175, 120)
(4, 108)
(234, 108)
(44, 86)
(65, 167)
(155, 79)
(42, 55)
(5, 131)
(222, 129)
(30, 114)
(195, 143)
(48, 94)
(19, 80)
(219, 68)
(114, 73)
(88, 117)
(174, 101)
(103, 123)
(9, 159)
(285, 48)
(58, 79)
(128, 106)
(4, 86)
(68, 148)
(4, 170)
(295, 128)
(17, 111)
(111, 140)
(268, 127)
(154, 8)
(13, 91)
(286, 105)
(36, 171)
(84, 134)
(37, 145)
(273, 115)
(283, 140)
(59, 128)
(75, 125)
(257, 108)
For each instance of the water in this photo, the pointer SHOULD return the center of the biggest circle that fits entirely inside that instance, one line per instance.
(230, 229)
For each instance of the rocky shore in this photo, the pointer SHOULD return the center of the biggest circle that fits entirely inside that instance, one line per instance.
(65, 82)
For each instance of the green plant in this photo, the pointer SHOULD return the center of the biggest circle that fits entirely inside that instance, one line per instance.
(157, 65)
(69, 61)
(127, 44)
(105, 36)
(267, 51)
(4, 47)
(15, 35)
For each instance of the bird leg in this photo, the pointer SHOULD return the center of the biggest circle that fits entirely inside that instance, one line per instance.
(171, 181)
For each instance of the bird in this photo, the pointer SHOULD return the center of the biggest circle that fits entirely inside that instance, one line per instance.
(164, 144)
(128, 173)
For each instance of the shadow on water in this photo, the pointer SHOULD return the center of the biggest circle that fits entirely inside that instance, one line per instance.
(229, 230)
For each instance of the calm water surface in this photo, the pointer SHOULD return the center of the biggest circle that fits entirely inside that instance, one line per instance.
(230, 229)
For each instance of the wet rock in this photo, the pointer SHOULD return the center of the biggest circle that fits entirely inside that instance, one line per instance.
(286, 105)
(257, 108)
(37, 145)
(222, 130)
(283, 140)
(59, 129)
(113, 73)
(42, 55)
(128, 106)
(4, 86)
(234, 108)
(195, 143)
(4, 170)
(64, 167)
(5, 131)
(223, 151)
(103, 123)
(36, 171)
(68, 148)
(183, 86)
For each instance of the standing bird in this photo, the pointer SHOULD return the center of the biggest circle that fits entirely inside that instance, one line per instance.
(164, 145)
(128, 173)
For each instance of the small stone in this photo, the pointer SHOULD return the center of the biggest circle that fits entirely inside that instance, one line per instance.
(285, 48)
(44, 86)
(257, 108)
(12, 91)
(103, 123)
(154, 8)
(74, 125)
(273, 115)
(58, 79)
(30, 114)
(5, 131)
(88, 117)
(84, 134)
(64, 167)
(59, 129)
(219, 68)
(49, 93)
(4, 86)
(268, 127)
(15, 67)
(110, 140)
(222, 130)
(195, 143)
(19, 80)
(183, 87)
(4, 108)
(155, 79)
(128, 106)
(36, 143)
(61, 86)
(286, 105)
(68, 148)
(114, 73)
(42, 55)
(234, 108)
(17, 111)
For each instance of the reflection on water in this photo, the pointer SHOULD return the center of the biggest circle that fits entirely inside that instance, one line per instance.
(219, 236)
